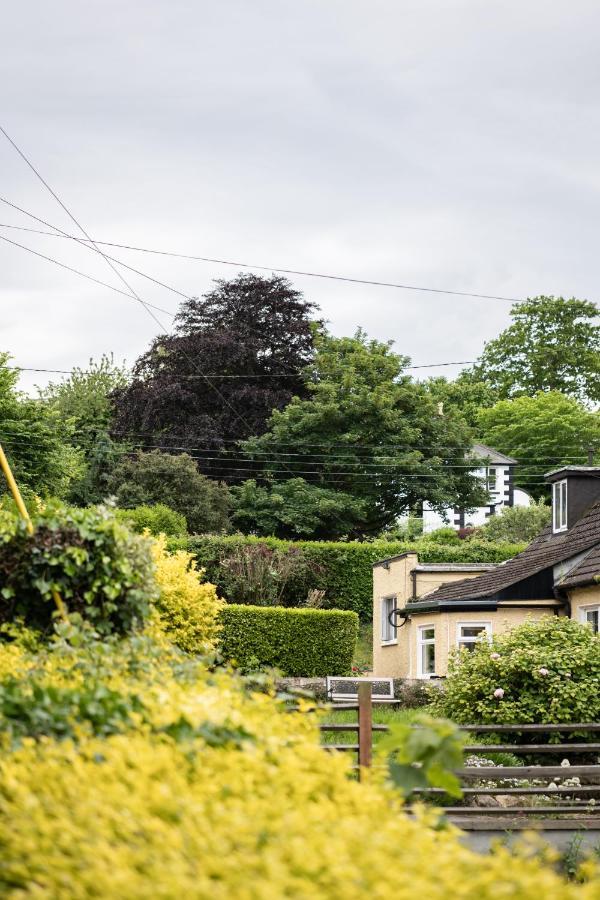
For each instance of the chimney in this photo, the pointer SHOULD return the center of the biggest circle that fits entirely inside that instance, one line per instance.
(574, 490)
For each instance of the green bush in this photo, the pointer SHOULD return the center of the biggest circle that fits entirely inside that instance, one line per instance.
(298, 642)
(99, 567)
(547, 671)
(157, 519)
(342, 569)
(445, 535)
(516, 523)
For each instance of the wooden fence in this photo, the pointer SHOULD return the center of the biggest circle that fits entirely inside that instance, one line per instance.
(571, 807)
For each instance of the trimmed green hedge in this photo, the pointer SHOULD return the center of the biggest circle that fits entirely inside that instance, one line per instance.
(298, 642)
(343, 570)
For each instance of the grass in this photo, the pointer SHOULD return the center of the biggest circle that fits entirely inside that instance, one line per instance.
(382, 715)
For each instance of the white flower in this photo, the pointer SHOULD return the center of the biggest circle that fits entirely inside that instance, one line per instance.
(499, 693)
(543, 671)
(565, 764)
(552, 786)
(494, 656)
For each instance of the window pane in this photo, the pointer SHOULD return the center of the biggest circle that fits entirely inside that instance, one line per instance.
(428, 634)
(428, 659)
(473, 631)
(592, 619)
(563, 504)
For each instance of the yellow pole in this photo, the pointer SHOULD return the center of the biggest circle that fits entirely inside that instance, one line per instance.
(14, 489)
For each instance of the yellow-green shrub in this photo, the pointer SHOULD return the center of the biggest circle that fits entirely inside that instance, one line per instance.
(188, 608)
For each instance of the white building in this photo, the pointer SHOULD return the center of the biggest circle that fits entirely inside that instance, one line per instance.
(498, 476)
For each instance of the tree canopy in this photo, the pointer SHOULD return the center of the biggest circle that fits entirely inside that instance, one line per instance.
(368, 432)
(542, 433)
(236, 354)
(553, 344)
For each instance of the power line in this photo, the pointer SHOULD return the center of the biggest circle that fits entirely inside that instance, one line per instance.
(278, 269)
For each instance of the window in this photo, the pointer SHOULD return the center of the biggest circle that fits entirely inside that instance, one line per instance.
(470, 633)
(590, 615)
(490, 479)
(388, 631)
(426, 650)
(559, 506)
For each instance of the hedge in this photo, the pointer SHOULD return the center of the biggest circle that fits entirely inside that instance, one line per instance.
(298, 642)
(342, 570)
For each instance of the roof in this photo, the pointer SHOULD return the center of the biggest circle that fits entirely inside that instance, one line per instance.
(564, 471)
(546, 550)
(482, 450)
(585, 572)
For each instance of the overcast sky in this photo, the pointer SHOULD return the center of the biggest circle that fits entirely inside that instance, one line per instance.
(444, 143)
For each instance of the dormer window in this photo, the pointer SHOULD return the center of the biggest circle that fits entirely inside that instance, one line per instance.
(559, 506)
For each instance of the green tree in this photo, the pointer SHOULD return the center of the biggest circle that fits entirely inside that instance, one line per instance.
(369, 433)
(295, 509)
(465, 396)
(36, 439)
(84, 402)
(516, 524)
(553, 344)
(542, 432)
(143, 479)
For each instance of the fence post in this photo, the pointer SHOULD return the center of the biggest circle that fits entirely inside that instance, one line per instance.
(365, 724)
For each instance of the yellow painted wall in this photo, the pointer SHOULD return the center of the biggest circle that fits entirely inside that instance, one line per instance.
(580, 597)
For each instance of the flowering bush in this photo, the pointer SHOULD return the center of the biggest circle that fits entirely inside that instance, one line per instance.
(547, 671)
(203, 788)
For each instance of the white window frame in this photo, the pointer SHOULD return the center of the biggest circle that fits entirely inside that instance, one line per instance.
(386, 627)
(584, 610)
(460, 640)
(421, 644)
(492, 487)
(559, 506)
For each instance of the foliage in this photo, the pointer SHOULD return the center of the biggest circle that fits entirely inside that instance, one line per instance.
(294, 509)
(423, 754)
(206, 788)
(149, 478)
(553, 344)
(543, 432)
(298, 642)
(157, 519)
(36, 440)
(516, 523)
(343, 570)
(545, 671)
(369, 432)
(254, 334)
(101, 570)
(445, 535)
(83, 402)
(258, 574)
(466, 395)
(188, 608)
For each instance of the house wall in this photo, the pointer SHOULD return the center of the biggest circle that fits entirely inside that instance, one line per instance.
(501, 494)
(391, 660)
(581, 597)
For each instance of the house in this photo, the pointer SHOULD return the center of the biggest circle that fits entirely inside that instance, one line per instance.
(441, 607)
(498, 477)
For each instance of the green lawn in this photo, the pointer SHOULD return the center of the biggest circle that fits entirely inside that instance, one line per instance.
(382, 715)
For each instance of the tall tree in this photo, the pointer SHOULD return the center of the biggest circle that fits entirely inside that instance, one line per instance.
(553, 344)
(36, 439)
(236, 354)
(464, 396)
(368, 432)
(84, 401)
(542, 432)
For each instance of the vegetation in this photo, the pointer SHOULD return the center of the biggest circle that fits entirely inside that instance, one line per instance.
(514, 524)
(344, 570)
(143, 479)
(157, 519)
(543, 432)
(299, 642)
(364, 416)
(254, 335)
(544, 672)
(259, 574)
(553, 344)
(101, 570)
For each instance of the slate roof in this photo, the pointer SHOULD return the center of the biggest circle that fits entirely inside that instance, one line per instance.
(483, 451)
(546, 550)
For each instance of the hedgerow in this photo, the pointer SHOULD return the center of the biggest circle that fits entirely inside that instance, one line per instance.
(342, 569)
(298, 642)
(157, 519)
(545, 671)
(202, 787)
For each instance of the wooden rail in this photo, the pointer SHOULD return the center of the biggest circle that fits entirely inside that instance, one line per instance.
(570, 807)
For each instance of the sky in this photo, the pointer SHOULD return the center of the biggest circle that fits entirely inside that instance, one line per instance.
(451, 144)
